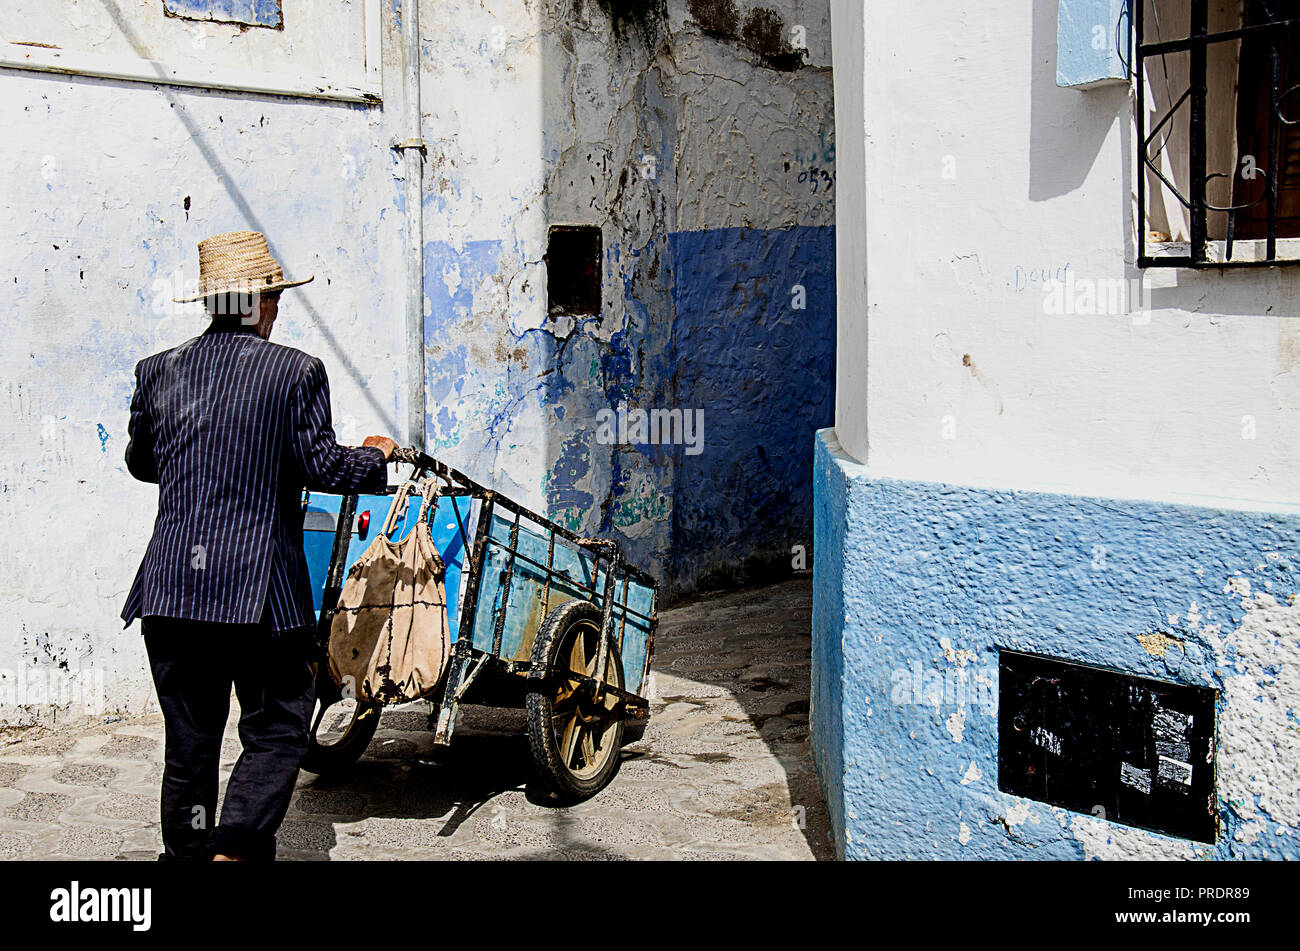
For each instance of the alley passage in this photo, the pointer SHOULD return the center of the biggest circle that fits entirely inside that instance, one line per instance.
(723, 770)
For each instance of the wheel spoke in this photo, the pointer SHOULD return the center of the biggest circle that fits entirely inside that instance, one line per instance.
(581, 727)
(569, 741)
(578, 654)
(320, 715)
(565, 703)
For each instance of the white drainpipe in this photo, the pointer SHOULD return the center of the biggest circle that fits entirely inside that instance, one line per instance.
(413, 148)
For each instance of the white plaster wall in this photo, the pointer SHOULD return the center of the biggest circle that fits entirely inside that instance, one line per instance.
(748, 137)
(961, 343)
(534, 118)
(320, 37)
(97, 179)
(484, 100)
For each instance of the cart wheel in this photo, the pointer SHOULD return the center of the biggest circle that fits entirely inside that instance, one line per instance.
(341, 728)
(575, 741)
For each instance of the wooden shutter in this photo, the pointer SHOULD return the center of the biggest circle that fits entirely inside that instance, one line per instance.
(1253, 103)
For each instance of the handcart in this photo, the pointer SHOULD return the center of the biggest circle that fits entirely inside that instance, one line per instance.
(540, 619)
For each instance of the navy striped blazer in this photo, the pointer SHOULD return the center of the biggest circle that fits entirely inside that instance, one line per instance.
(232, 428)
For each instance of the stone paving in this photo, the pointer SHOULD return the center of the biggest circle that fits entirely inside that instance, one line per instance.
(723, 770)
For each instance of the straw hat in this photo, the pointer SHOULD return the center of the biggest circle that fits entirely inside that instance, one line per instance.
(238, 262)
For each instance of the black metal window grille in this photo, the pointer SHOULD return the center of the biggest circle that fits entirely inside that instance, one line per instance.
(1269, 38)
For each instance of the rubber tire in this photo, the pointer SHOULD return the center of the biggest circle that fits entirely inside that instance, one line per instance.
(541, 737)
(337, 757)
(634, 731)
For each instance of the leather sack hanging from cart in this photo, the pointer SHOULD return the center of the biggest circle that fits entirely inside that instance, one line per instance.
(389, 638)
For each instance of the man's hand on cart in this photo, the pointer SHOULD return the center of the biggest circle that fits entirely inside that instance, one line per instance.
(382, 442)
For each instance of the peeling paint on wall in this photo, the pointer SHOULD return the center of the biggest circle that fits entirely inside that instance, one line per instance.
(1259, 734)
(921, 564)
(697, 313)
(245, 12)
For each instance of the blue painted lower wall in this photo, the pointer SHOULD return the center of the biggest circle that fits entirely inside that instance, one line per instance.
(826, 703)
(918, 585)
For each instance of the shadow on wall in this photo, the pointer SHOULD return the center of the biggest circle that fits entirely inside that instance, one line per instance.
(1059, 162)
(766, 377)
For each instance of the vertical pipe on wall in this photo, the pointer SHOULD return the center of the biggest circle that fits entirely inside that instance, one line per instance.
(413, 149)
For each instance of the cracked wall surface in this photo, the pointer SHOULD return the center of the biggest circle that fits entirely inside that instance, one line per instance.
(711, 176)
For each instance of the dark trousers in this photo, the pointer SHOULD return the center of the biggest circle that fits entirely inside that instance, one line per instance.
(194, 664)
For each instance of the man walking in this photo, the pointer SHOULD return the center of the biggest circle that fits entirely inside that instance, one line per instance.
(232, 428)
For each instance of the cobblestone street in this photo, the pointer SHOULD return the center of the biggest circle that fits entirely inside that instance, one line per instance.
(722, 771)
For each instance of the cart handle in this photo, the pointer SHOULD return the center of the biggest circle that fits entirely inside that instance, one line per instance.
(412, 457)
(609, 544)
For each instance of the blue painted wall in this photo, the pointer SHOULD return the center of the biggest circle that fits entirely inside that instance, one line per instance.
(764, 374)
(924, 578)
(480, 400)
(1092, 42)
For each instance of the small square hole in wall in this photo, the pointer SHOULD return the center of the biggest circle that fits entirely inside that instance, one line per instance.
(573, 270)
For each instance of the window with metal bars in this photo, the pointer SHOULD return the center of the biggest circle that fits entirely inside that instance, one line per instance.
(1218, 113)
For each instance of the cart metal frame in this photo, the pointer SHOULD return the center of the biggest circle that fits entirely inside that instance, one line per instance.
(467, 664)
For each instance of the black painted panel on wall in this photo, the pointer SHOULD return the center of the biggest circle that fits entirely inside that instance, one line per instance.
(1129, 749)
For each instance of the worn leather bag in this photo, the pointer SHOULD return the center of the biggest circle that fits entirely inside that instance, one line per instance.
(389, 639)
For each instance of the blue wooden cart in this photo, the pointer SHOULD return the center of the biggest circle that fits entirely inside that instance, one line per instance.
(540, 618)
